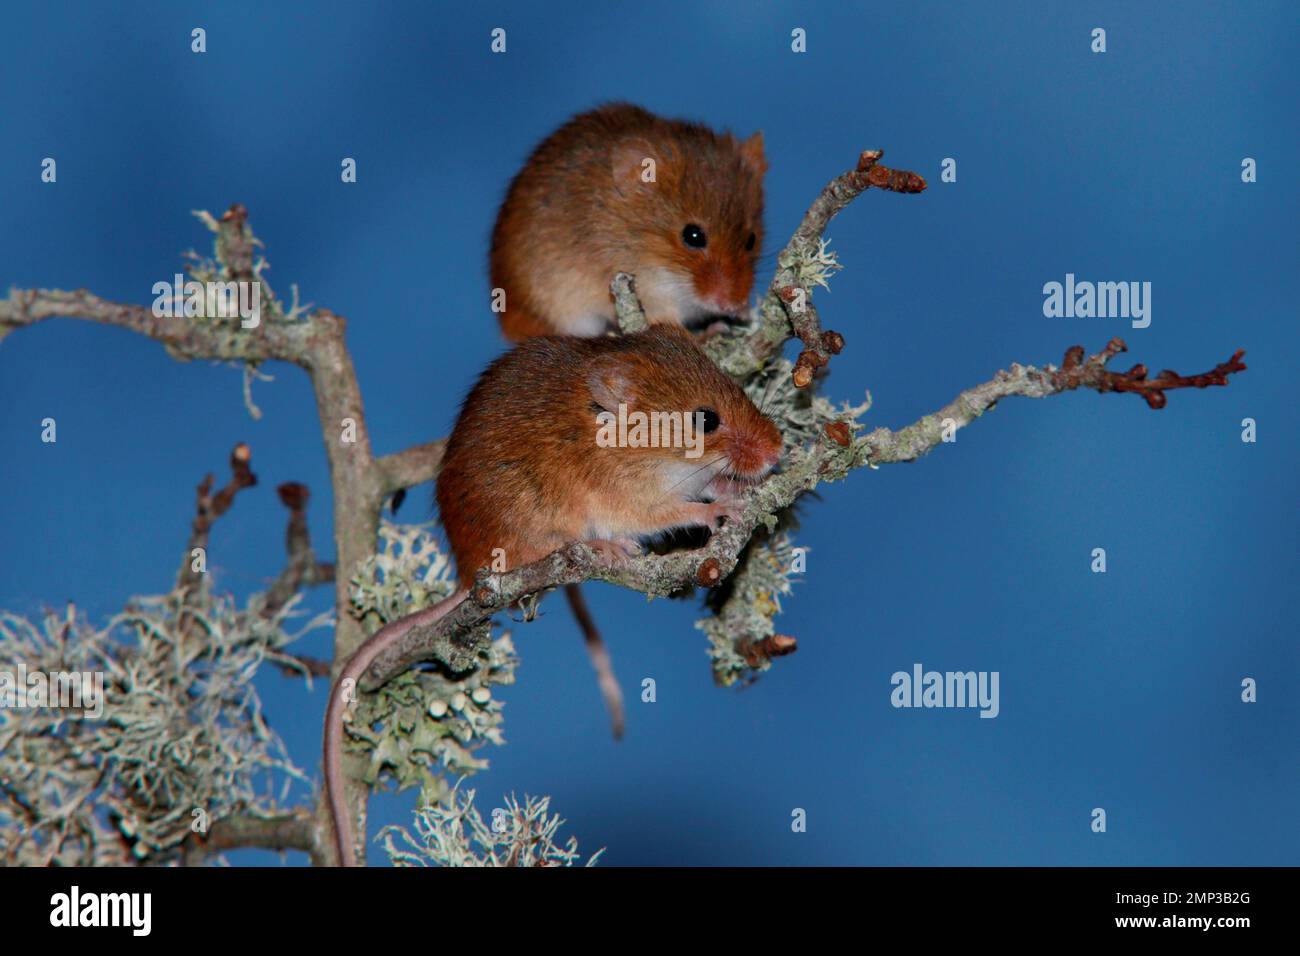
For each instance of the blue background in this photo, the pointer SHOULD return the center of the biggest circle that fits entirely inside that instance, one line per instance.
(1118, 690)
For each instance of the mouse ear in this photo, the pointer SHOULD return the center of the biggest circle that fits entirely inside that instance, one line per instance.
(633, 165)
(751, 151)
(610, 386)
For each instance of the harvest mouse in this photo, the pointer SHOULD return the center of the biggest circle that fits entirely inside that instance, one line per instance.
(530, 467)
(524, 471)
(618, 189)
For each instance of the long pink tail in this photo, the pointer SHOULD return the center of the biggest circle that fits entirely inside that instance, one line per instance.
(365, 655)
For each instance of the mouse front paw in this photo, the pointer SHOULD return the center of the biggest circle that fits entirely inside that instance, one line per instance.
(614, 552)
(731, 507)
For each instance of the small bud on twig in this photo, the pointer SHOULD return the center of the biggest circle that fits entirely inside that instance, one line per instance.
(833, 341)
(839, 433)
(757, 653)
(709, 574)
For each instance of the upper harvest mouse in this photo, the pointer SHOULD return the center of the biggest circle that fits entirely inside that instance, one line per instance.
(618, 189)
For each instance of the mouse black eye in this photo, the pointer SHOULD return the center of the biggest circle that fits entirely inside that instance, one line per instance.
(694, 236)
(749, 243)
(710, 422)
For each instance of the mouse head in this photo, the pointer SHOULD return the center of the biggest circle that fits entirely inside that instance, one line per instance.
(695, 201)
(669, 405)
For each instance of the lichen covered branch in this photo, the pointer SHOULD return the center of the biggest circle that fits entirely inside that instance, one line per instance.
(802, 265)
(883, 446)
(627, 304)
(183, 338)
(829, 459)
(313, 340)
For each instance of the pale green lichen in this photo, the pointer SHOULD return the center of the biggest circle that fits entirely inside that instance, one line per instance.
(816, 268)
(451, 832)
(182, 735)
(218, 266)
(767, 573)
(800, 413)
(763, 575)
(427, 722)
(408, 572)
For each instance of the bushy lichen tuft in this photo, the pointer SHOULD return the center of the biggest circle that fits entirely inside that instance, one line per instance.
(182, 737)
(816, 268)
(451, 832)
(800, 413)
(433, 720)
(767, 573)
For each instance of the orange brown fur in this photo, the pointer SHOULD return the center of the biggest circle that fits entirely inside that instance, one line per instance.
(523, 471)
(578, 212)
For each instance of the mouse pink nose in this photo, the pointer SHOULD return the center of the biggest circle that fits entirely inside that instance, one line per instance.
(725, 304)
(754, 456)
(767, 460)
(724, 287)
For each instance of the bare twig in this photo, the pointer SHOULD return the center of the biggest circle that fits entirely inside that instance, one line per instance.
(416, 465)
(302, 568)
(1075, 373)
(293, 832)
(296, 665)
(775, 645)
(210, 507)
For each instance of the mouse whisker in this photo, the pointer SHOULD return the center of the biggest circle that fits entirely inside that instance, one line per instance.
(707, 464)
